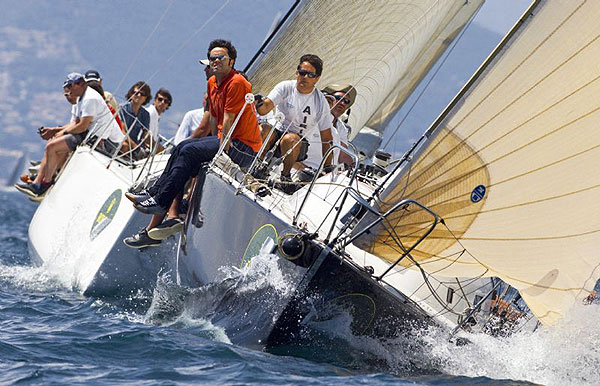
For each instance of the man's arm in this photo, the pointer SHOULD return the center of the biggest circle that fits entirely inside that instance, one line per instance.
(212, 124)
(80, 126)
(266, 106)
(50, 132)
(344, 157)
(204, 127)
(228, 119)
(326, 138)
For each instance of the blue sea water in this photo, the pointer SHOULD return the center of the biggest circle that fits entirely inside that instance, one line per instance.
(50, 334)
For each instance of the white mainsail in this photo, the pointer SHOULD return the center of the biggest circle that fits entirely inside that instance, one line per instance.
(509, 167)
(382, 48)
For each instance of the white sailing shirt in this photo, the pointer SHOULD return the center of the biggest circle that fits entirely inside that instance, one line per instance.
(191, 120)
(103, 124)
(154, 121)
(304, 113)
(339, 132)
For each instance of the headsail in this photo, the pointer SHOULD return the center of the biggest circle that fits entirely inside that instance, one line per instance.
(383, 48)
(509, 167)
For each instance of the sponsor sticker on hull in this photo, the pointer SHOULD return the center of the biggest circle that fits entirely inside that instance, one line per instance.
(106, 213)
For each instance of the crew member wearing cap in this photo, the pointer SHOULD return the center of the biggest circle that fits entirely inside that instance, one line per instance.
(305, 109)
(340, 98)
(226, 93)
(195, 122)
(49, 133)
(108, 97)
(91, 115)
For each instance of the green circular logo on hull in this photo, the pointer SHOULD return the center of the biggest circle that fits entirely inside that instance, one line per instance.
(264, 239)
(106, 213)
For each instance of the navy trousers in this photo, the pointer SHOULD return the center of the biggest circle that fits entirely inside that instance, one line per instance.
(185, 162)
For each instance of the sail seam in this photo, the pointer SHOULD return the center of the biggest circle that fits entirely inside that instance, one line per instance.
(500, 83)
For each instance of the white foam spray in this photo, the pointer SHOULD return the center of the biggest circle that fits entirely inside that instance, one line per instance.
(568, 353)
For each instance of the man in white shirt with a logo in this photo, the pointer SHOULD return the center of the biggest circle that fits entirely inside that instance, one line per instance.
(92, 116)
(305, 109)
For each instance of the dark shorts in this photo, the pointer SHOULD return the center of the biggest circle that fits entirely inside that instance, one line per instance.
(74, 140)
(303, 147)
(110, 147)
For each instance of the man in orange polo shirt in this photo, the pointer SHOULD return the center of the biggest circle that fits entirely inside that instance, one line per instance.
(226, 94)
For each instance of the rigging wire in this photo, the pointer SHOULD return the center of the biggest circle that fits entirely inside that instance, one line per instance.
(143, 47)
(185, 43)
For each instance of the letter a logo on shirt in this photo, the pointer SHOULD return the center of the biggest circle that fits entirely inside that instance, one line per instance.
(306, 110)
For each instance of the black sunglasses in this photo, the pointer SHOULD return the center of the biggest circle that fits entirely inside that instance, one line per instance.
(310, 74)
(216, 57)
(139, 93)
(344, 99)
(161, 99)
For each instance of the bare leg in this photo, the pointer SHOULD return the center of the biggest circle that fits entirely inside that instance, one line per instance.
(41, 171)
(156, 220)
(289, 141)
(173, 212)
(54, 155)
(57, 151)
(174, 208)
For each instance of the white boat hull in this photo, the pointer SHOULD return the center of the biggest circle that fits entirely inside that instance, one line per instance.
(77, 231)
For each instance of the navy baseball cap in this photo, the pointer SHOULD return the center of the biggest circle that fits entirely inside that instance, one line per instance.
(92, 75)
(73, 77)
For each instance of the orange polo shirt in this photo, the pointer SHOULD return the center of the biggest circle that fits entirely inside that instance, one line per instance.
(229, 96)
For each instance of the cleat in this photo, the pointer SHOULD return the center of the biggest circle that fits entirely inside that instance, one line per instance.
(149, 206)
(141, 240)
(166, 229)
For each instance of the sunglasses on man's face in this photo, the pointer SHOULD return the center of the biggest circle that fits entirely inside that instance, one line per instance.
(161, 99)
(310, 74)
(216, 57)
(140, 93)
(342, 98)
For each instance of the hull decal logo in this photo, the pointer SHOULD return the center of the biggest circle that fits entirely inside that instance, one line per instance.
(263, 241)
(106, 213)
(360, 307)
(478, 193)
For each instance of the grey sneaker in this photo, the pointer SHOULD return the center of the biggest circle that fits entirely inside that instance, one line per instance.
(33, 190)
(141, 240)
(166, 229)
(137, 197)
(149, 206)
